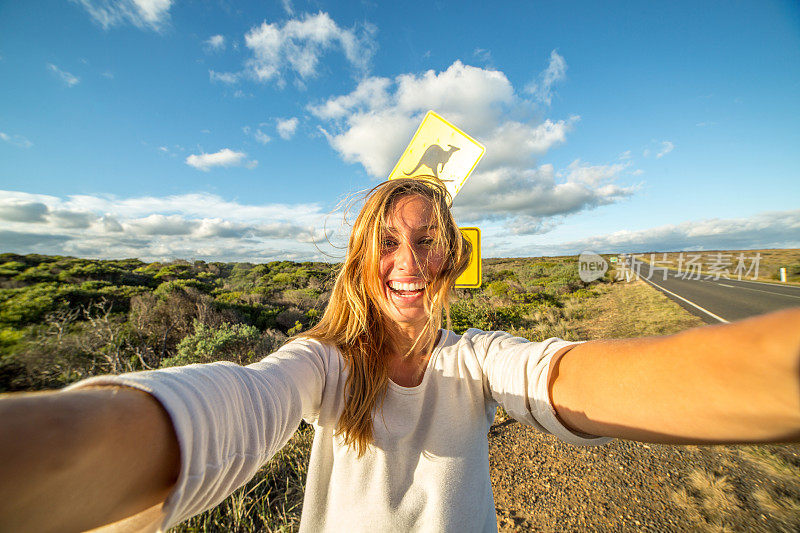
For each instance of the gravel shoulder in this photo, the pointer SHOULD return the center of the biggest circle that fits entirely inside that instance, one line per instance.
(542, 484)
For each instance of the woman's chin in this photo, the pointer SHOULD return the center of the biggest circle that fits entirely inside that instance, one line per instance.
(403, 312)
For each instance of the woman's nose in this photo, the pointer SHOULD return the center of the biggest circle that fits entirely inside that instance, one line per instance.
(405, 259)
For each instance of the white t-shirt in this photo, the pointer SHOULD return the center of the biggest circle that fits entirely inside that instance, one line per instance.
(429, 467)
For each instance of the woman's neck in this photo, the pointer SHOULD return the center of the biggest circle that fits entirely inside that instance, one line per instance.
(409, 340)
(411, 349)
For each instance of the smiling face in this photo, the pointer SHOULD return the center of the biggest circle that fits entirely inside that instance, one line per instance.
(409, 262)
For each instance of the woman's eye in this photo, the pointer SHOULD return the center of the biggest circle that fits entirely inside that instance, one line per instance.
(427, 241)
(388, 243)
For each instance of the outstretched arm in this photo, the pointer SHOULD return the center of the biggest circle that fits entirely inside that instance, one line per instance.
(75, 460)
(732, 383)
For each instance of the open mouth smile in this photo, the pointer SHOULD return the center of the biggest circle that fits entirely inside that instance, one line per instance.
(405, 291)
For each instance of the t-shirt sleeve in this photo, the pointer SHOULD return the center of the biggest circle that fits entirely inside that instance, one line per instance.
(230, 419)
(516, 372)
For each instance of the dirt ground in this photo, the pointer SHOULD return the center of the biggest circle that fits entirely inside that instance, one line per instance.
(542, 484)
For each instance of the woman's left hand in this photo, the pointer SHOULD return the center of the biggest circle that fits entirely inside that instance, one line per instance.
(732, 383)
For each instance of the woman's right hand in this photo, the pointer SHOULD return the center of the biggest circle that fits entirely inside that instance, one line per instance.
(75, 460)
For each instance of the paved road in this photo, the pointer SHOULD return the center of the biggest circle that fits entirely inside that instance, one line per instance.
(723, 300)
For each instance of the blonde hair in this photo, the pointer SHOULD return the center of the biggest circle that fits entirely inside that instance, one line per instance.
(354, 321)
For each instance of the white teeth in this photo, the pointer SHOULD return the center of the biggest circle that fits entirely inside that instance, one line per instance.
(396, 285)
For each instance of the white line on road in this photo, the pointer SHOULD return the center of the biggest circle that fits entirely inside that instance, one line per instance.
(690, 277)
(770, 284)
(706, 311)
(716, 282)
(759, 290)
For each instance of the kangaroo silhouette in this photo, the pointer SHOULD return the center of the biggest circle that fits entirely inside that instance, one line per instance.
(433, 157)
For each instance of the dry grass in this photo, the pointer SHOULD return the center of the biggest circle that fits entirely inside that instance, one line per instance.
(781, 505)
(625, 310)
(562, 322)
(610, 311)
(771, 463)
(271, 501)
(684, 499)
(779, 495)
(714, 493)
(709, 500)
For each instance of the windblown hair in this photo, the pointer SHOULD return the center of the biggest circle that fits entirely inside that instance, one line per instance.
(354, 320)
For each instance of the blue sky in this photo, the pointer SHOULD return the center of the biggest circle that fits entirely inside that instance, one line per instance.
(231, 131)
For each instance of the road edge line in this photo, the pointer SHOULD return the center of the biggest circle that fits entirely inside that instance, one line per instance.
(706, 311)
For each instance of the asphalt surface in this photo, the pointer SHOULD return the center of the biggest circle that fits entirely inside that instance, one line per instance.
(721, 300)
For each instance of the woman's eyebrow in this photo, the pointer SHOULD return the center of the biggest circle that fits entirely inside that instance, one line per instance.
(391, 229)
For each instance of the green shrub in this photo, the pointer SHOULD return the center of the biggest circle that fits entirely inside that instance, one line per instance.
(239, 343)
(294, 330)
(465, 314)
(180, 285)
(283, 278)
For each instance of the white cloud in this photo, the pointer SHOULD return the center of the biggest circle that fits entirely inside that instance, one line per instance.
(483, 55)
(144, 14)
(209, 227)
(19, 210)
(224, 158)
(508, 193)
(556, 71)
(152, 228)
(287, 7)
(763, 230)
(473, 96)
(69, 79)
(111, 225)
(530, 225)
(161, 225)
(257, 134)
(71, 219)
(225, 77)
(371, 93)
(298, 44)
(666, 147)
(287, 127)
(215, 43)
(16, 140)
(373, 124)
(516, 143)
(374, 139)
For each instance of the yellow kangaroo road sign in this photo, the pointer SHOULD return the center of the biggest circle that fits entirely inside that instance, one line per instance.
(472, 276)
(441, 150)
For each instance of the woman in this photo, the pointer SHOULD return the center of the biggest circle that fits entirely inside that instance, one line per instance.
(400, 408)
